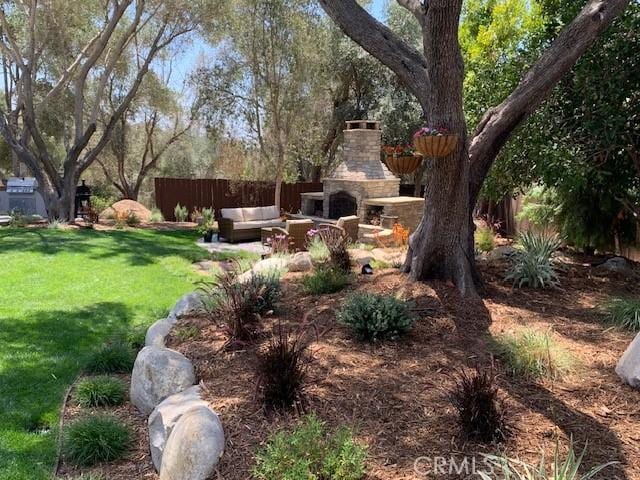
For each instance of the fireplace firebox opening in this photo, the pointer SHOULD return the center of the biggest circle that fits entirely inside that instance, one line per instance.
(342, 204)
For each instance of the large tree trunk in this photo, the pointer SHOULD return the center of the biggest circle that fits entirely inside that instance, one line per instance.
(440, 247)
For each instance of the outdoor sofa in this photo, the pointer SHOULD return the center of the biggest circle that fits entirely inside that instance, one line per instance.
(242, 224)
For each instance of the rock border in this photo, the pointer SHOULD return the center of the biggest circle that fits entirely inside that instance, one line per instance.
(164, 387)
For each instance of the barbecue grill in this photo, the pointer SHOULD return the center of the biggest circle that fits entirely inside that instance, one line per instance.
(22, 195)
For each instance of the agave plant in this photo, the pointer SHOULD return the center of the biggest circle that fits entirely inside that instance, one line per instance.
(532, 265)
(567, 469)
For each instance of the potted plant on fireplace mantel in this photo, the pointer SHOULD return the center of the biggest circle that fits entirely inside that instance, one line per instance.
(435, 142)
(401, 159)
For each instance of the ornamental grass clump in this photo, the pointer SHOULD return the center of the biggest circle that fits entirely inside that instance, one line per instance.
(337, 244)
(623, 312)
(531, 264)
(114, 357)
(282, 369)
(317, 248)
(308, 452)
(532, 354)
(373, 317)
(100, 391)
(96, 439)
(569, 468)
(240, 304)
(480, 410)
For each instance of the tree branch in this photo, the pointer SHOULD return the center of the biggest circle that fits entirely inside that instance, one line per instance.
(499, 122)
(377, 39)
(416, 7)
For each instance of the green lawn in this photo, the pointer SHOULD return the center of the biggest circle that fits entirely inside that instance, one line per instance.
(62, 293)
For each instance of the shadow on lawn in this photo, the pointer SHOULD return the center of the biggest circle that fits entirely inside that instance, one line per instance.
(139, 247)
(43, 353)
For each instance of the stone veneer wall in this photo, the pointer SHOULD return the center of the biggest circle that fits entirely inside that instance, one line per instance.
(409, 214)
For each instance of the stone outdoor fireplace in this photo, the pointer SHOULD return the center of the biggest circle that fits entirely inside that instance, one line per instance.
(360, 175)
(361, 184)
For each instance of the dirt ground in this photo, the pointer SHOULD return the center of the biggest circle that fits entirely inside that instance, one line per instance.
(394, 394)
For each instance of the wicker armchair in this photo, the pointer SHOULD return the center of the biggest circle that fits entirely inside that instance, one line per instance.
(348, 226)
(296, 231)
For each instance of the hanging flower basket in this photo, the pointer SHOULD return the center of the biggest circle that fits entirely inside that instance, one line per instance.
(435, 142)
(402, 165)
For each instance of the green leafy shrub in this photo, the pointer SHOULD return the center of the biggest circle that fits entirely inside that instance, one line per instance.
(567, 469)
(533, 354)
(317, 249)
(135, 337)
(282, 369)
(156, 215)
(115, 357)
(379, 264)
(325, 279)
(100, 391)
(624, 312)
(95, 440)
(309, 453)
(485, 239)
(372, 317)
(181, 213)
(531, 264)
(540, 207)
(480, 411)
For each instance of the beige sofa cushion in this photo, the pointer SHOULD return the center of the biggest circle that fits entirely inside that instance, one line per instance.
(258, 224)
(234, 214)
(252, 213)
(269, 213)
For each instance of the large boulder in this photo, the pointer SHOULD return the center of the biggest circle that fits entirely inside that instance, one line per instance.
(157, 332)
(501, 252)
(165, 416)
(300, 262)
(271, 264)
(126, 207)
(158, 373)
(360, 256)
(189, 304)
(615, 265)
(194, 447)
(628, 368)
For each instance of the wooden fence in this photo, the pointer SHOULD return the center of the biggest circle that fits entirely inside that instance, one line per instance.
(221, 193)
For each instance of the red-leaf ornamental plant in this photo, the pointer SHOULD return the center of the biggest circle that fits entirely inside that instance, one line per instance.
(435, 142)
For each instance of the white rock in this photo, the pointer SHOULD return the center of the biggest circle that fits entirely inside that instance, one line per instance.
(157, 332)
(189, 304)
(628, 368)
(158, 373)
(270, 264)
(360, 256)
(165, 416)
(194, 447)
(301, 262)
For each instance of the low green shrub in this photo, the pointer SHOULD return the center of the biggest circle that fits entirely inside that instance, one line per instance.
(309, 453)
(624, 312)
(531, 264)
(533, 354)
(485, 239)
(95, 440)
(373, 317)
(568, 468)
(100, 391)
(379, 264)
(156, 215)
(325, 279)
(135, 337)
(267, 288)
(132, 219)
(115, 357)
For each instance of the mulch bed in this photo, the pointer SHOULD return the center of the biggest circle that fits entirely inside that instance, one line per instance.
(394, 394)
